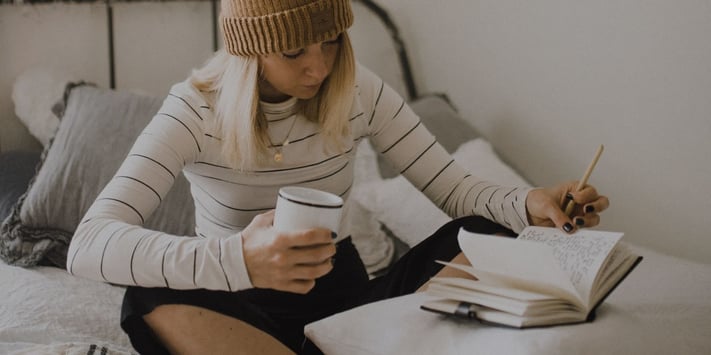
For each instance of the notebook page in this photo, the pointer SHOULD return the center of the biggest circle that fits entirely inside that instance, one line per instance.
(516, 263)
(580, 255)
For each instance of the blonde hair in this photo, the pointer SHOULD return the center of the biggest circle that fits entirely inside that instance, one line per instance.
(241, 124)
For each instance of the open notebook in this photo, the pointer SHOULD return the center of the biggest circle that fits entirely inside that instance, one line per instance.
(544, 277)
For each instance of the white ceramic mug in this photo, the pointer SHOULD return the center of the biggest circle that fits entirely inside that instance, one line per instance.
(300, 208)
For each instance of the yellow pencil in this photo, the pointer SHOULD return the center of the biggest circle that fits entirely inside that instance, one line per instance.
(570, 204)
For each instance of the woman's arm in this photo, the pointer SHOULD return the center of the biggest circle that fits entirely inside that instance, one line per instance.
(397, 133)
(110, 243)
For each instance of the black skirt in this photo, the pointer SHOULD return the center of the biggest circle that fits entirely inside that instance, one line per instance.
(283, 314)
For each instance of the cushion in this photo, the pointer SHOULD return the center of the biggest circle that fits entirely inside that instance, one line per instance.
(662, 308)
(18, 168)
(34, 93)
(443, 121)
(96, 132)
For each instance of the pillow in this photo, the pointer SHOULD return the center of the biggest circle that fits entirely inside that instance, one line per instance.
(662, 308)
(440, 118)
(409, 214)
(96, 132)
(18, 167)
(34, 93)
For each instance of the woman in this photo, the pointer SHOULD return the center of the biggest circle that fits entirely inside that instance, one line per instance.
(283, 104)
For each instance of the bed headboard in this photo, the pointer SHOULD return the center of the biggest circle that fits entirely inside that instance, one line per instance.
(373, 22)
(105, 42)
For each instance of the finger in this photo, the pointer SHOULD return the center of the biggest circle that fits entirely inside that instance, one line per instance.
(560, 219)
(311, 255)
(599, 205)
(309, 237)
(585, 195)
(265, 219)
(588, 220)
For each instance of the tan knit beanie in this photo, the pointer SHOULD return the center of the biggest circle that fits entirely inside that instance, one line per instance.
(252, 27)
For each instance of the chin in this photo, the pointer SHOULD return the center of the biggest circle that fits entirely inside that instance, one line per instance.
(307, 94)
(307, 97)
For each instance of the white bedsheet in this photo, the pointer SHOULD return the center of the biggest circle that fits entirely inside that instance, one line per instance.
(663, 307)
(45, 310)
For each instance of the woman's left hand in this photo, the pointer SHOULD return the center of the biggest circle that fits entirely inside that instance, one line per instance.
(545, 206)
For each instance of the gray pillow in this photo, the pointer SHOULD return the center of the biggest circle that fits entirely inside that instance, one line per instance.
(96, 132)
(440, 118)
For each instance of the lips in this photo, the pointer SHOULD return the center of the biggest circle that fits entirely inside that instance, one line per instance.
(315, 86)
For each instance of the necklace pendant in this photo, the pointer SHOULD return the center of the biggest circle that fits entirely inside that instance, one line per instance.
(278, 157)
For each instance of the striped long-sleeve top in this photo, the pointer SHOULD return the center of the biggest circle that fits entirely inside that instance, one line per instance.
(110, 243)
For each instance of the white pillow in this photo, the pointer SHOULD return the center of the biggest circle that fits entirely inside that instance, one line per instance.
(376, 249)
(34, 93)
(409, 214)
(662, 308)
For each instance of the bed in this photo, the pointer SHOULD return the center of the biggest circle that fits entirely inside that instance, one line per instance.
(663, 307)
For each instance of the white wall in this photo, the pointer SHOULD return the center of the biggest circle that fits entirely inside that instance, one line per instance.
(547, 81)
(156, 45)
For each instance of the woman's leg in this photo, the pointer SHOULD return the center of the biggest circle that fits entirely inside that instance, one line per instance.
(419, 264)
(450, 272)
(263, 321)
(185, 329)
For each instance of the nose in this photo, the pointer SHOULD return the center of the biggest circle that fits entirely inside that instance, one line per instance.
(317, 65)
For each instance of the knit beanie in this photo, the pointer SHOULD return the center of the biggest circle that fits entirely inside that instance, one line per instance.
(251, 27)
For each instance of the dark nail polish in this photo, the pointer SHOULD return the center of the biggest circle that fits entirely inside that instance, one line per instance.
(334, 235)
(589, 208)
(568, 227)
(579, 221)
(569, 196)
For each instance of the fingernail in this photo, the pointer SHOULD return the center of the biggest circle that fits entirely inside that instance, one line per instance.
(589, 208)
(334, 235)
(569, 196)
(568, 227)
(579, 221)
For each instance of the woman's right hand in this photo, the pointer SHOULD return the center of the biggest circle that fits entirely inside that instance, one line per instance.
(285, 261)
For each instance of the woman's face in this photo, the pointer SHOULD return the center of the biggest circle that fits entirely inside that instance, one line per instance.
(297, 73)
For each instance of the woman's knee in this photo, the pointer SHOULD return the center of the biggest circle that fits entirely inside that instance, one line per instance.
(192, 329)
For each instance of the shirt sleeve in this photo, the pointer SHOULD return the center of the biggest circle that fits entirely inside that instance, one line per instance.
(110, 243)
(397, 133)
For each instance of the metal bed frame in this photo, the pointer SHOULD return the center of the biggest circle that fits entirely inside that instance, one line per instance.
(383, 16)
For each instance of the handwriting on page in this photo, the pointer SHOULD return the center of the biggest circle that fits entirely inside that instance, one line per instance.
(579, 255)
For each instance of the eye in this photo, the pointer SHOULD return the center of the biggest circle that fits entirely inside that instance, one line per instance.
(335, 41)
(293, 54)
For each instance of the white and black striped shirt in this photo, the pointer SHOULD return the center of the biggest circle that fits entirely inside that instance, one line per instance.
(111, 245)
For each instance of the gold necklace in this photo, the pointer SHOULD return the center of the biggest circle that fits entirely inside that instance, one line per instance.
(278, 155)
